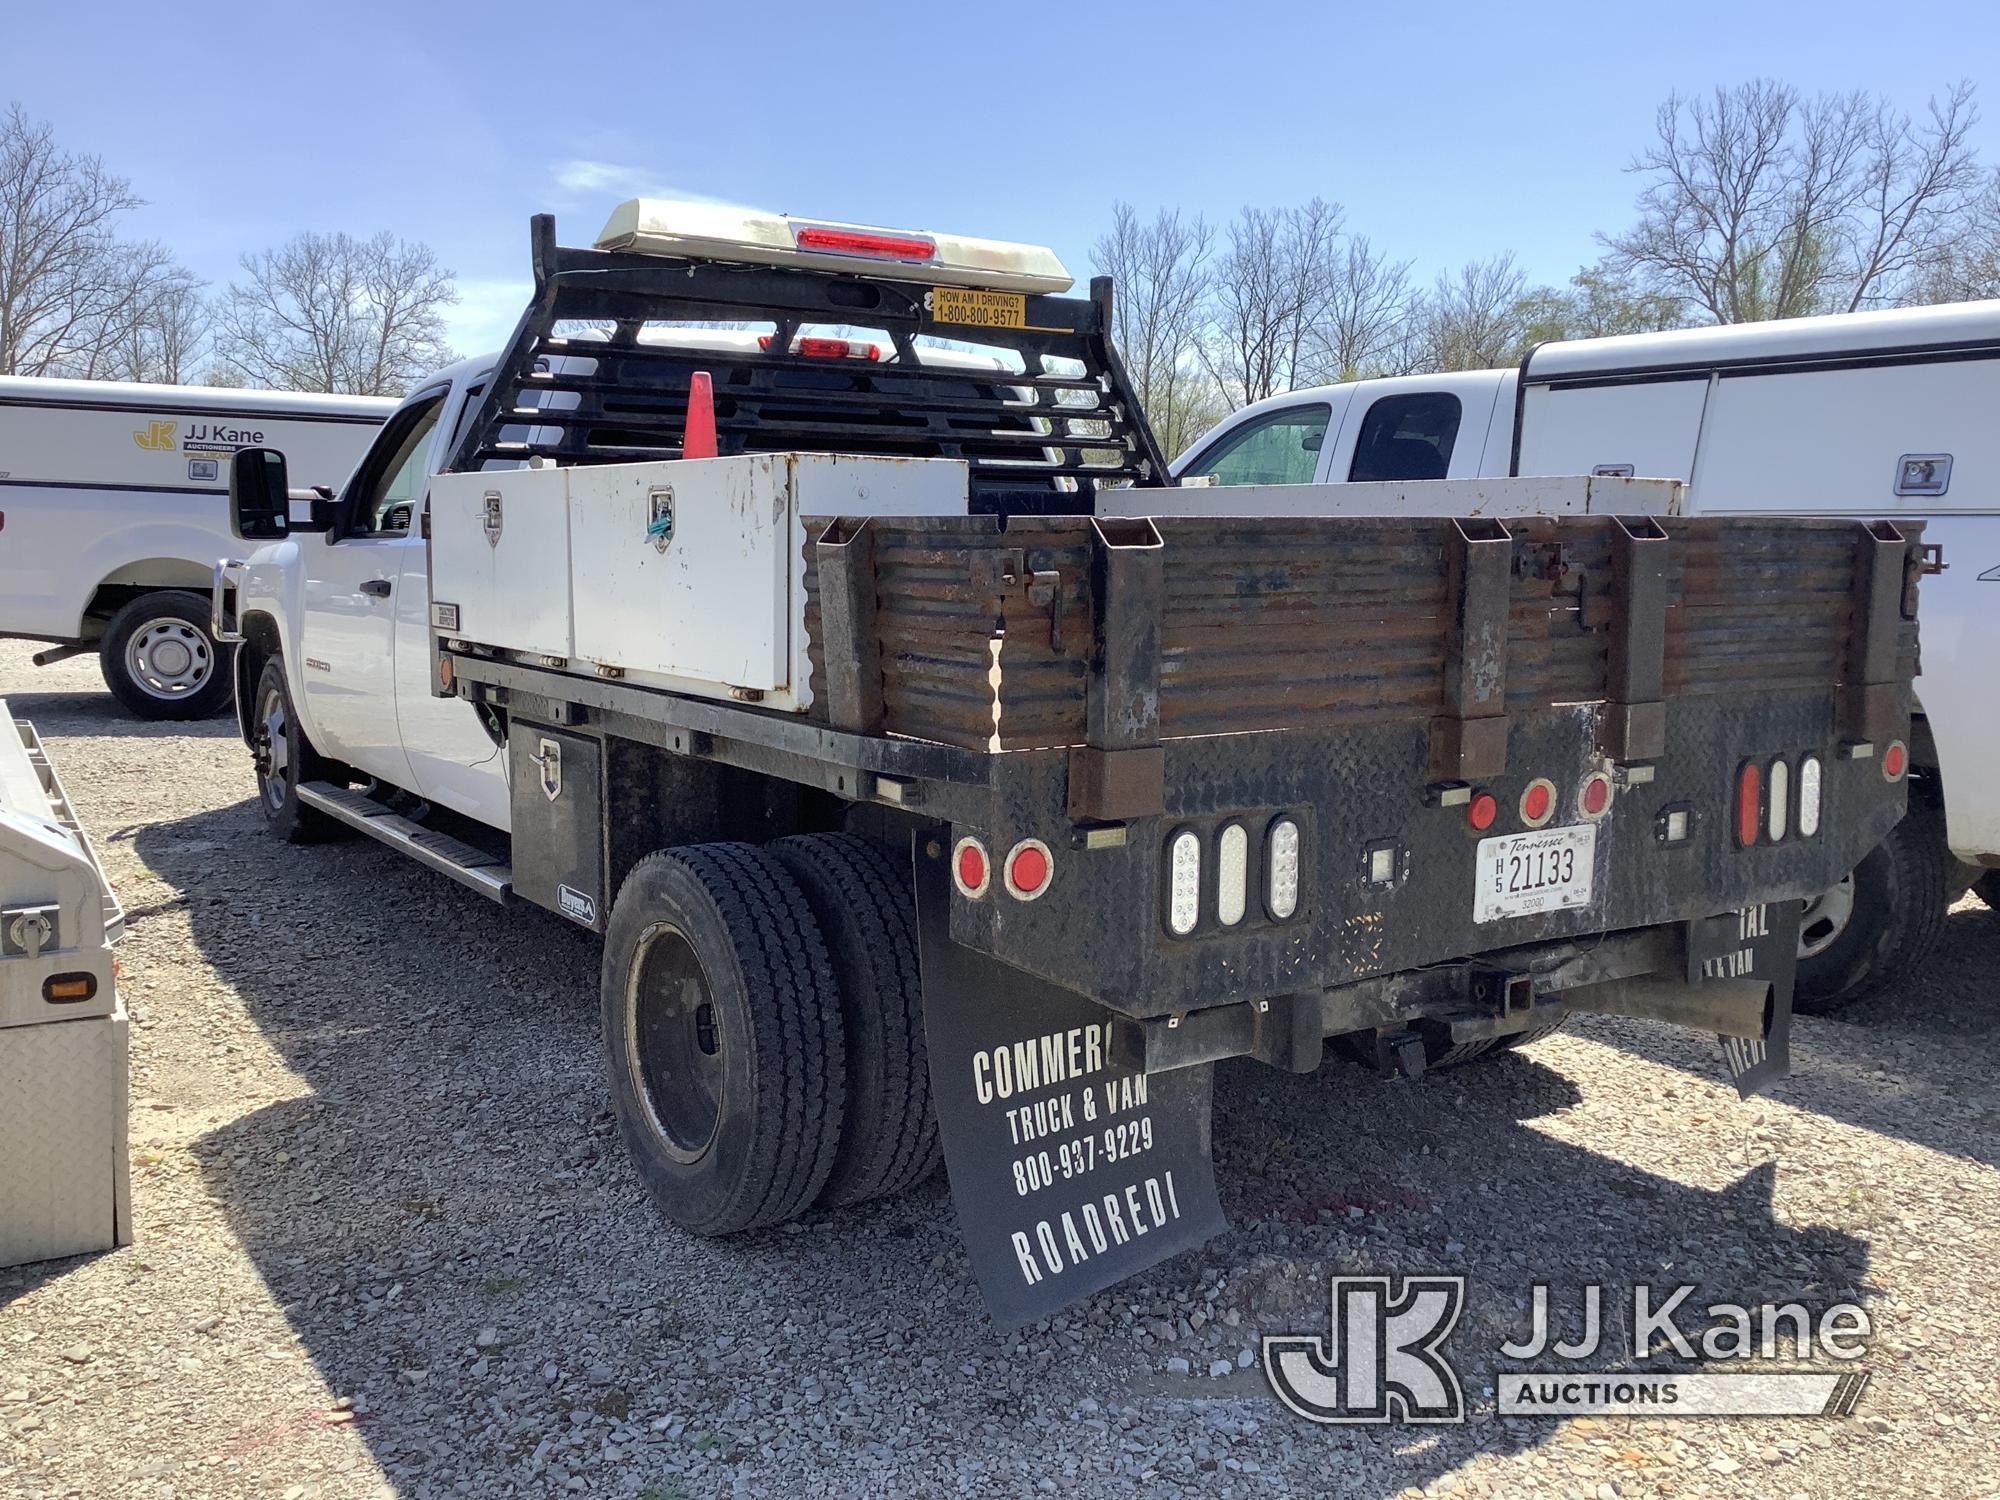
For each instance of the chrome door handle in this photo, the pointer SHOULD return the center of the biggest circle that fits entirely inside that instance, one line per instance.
(376, 587)
(223, 578)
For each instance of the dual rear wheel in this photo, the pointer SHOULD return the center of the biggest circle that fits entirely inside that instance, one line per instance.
(763, 1023)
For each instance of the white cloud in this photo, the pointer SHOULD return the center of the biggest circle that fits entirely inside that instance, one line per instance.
(597, 179)
(486, 312)
(603, 183)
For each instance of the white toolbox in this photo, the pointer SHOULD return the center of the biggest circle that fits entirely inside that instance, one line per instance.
(684, 573)
(64, 1179)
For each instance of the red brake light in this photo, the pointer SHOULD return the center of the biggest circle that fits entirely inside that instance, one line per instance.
(1028, 869)
(1749, 803)
(863, 242)
(1538, 802)
(969, 869)
(1481, 811)
(1895, 760)
(815, 347)
(1596, 795)
(819, 348)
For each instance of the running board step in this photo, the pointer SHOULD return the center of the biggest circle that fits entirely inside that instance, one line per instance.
(472, 868)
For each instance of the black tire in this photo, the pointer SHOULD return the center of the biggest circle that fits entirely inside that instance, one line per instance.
(866, 909)
(1894, 916)
(284, 758)
(159, 660)
(716, 981)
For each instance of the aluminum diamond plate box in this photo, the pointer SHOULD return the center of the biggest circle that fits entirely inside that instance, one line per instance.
(64, 1183)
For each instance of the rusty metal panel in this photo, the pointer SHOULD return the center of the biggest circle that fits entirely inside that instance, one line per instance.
(988, 630)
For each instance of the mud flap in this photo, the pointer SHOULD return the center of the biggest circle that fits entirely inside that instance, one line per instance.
(1758, 942)
(1069, 1172)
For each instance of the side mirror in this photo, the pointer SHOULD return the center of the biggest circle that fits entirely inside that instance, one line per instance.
(260, 507)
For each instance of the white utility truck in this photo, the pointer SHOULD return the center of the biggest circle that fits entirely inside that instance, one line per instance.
(927, 807)
(1878, 414)
(114, 507)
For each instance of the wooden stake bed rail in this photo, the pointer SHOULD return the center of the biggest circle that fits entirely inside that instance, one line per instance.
(1005, 635)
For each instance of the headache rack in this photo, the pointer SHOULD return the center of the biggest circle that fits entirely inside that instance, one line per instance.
(591, 376)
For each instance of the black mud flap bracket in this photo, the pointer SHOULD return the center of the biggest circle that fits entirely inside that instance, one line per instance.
(1760, 943)
(1735, 980)
(1070, 1169)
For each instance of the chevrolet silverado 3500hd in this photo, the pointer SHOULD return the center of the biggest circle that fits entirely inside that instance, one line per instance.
(925, 806)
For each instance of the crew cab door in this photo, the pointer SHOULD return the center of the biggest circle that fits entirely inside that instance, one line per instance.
(1417, 428)
(453, 761)
(347, 627)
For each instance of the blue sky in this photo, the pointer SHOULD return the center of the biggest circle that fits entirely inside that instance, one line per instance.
(1448, 131)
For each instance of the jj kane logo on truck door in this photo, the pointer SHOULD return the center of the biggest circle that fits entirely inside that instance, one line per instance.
(156, 437)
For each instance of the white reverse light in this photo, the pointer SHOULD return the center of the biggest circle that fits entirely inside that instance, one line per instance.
(1232, 874)
(1780, 800)
(1184, 873)
(1281, 884)
(1810, 775)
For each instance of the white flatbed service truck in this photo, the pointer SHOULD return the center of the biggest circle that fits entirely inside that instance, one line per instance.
(928, 807)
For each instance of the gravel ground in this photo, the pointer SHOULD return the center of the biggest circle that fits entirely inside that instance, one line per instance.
(388, 1245)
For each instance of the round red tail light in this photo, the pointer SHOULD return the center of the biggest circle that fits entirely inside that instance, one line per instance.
(1029, 866)
(970, 870)
(1538, 802)
(1482, 810)
(1895, 760)
(1596, 795)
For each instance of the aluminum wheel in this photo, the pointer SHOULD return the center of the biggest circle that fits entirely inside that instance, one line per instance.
(1826, 917)
(168, 658)
(676, 1043)
(271, 748)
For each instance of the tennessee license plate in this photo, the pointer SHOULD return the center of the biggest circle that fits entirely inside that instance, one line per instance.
(1524, 874)
(950, 304)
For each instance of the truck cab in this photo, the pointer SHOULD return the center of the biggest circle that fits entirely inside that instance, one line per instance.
(1407, 429)
(350, 608)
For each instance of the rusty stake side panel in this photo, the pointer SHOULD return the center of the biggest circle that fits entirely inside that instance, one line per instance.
(987, 631)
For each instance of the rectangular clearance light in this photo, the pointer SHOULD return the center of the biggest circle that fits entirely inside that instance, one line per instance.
(715, 231)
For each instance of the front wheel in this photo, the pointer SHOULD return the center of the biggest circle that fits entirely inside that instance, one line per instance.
(284, 758)
(1878, 923)
(159, 660)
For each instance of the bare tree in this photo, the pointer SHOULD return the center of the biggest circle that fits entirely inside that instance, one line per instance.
(1761, 204)
(164, 340)
(1921, 192)
(1162, 272)
(1272, 285)
(1369, 305)
(72, 293)
(330, 312)
(1598, 302)
(1966, 264)
(1474, 320)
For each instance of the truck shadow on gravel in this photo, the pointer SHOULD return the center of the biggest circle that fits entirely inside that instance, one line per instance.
(447, 1218)
(1917, 1060)
(99, 713)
